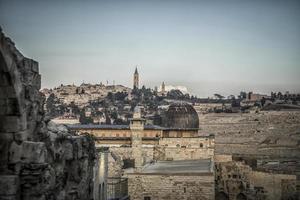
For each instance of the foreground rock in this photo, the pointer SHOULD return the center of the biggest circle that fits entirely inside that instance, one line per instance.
(38, 159)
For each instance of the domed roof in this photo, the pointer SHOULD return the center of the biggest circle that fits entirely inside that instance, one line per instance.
(181, 116)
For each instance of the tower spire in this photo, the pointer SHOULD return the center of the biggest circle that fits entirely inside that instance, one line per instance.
(136, 79)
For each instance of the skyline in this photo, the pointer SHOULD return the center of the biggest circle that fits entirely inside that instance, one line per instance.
(209, 47)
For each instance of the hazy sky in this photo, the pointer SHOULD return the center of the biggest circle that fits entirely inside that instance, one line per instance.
(209, 46)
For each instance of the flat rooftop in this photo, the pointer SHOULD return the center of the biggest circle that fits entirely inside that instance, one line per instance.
(122, 127)
(179, 167)
(110, 126)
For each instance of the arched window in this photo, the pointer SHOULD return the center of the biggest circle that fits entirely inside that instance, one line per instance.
(201, 145)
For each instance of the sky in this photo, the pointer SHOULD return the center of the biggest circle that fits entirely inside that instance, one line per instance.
(209, 46)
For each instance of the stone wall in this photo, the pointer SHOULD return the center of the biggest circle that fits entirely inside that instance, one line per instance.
(39, 159)
(237, 178)
(168, 149)
(175, 187)
(184, 148)
(119, 154)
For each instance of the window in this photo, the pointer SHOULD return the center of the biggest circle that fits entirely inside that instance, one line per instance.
(201, 145)
(147, 198)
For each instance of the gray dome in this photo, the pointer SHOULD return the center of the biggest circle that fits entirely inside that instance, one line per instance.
(181, 116)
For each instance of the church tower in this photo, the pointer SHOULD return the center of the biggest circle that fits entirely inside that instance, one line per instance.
(136, 79)
(163, 88)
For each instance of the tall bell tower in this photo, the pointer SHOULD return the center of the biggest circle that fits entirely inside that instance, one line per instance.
(136, 79)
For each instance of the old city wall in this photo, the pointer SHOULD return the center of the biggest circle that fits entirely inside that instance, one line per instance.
(39, 159)
(166, 187)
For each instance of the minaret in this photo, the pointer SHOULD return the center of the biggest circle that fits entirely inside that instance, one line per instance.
(136, 79)
(137, 128)
(163, 89)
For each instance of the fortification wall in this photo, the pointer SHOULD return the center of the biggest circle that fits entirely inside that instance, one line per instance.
(166, 187)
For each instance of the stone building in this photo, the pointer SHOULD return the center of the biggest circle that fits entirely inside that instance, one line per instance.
(147, 154)
(237, 180)
(184, 179)
(177, 177)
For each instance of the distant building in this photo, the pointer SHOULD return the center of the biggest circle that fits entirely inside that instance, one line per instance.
(163, 88)
(256, 97)
(136, 79)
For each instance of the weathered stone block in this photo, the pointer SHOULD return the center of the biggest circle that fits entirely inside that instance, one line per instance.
(26, 64)
(12, 106)
(37, 81)
(5, 79)
(10, 197)
(21, 136)
(9, 124)
(68, 151)
(5, 141)
(34, 152)
(34, 66)
(8, 91)
(9, 185)
(52, 127)
(15, 152)
(27, 152)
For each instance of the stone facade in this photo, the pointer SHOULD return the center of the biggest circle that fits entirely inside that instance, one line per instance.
(184, 148)
(167, 187)
(39, 160)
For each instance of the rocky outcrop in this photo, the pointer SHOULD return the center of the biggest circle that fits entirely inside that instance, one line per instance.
(39, 160)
